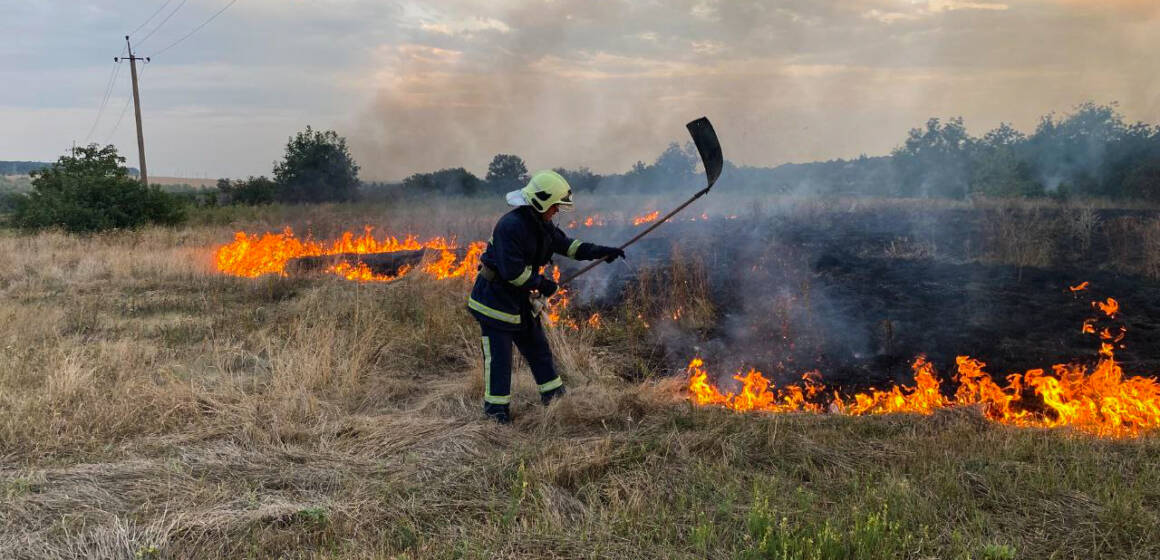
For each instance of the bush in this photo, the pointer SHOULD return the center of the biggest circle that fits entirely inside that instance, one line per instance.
(255, 190)
(581, 179)
(445, 181)
(89, 190)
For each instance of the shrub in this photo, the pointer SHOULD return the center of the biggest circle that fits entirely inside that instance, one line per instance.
(255, 190)
(444, 181)
(89, 190)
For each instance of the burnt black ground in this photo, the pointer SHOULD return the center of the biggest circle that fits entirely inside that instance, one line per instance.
(843, 294)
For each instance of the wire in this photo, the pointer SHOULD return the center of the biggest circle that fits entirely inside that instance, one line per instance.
(196, 29)
(105, 99)
(160, 25)
(146, 22)
(124, 110)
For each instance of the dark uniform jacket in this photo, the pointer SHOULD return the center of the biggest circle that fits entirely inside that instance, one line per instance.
(520, 245)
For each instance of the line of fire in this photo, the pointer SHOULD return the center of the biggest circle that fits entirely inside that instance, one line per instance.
(1091, 396)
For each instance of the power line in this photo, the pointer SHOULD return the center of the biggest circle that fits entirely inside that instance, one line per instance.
(162, 24)
(146, 22)
(104, 99)
(124, 110)
(196, 29)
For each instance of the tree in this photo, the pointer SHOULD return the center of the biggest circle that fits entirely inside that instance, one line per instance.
(581, 179)
(252, 191)
(317, 167)
(457, 181)
(1071, 152)
(89, 190)
(675, 167)
(506, 172)
(999, 166)
(677, 164)
(1143, 181)
(935, 161)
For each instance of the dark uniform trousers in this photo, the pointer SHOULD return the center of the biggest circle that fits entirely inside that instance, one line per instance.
(497, 359)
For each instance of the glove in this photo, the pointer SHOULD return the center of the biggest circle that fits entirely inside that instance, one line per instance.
(609, 254)
(546, 287)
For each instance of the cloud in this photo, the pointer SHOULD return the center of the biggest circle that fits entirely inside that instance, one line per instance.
(903, 10)
(466, 27)
(420, 85)
(602, 86)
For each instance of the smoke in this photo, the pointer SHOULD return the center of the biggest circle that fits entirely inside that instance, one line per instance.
(606, 85)
(603, 85)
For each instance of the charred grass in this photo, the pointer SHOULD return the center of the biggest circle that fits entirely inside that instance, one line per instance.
(152, 409)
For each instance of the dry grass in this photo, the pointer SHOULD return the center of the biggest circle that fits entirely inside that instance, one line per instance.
(152, 409)
(1024, 237)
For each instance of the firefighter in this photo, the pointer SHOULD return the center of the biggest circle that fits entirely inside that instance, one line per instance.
(522, 242)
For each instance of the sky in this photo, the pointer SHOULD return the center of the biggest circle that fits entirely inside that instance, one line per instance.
(419, 86)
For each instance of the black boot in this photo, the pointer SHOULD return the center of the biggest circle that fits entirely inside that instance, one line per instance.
(498, 412)
(548, 397)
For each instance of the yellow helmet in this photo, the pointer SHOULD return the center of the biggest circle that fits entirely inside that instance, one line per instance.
(544, 190)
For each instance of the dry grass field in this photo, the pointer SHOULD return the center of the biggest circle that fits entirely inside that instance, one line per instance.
(152, 408)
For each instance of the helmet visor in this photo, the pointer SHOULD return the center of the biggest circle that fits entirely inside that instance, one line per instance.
(565, 203)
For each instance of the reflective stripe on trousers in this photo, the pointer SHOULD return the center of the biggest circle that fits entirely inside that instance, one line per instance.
(497, 361)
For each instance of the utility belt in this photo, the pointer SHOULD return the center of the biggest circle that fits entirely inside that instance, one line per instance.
(488, 273)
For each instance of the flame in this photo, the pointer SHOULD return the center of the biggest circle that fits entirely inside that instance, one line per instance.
(1110, 307)
(252, 255)
(595, 220)
(360, 272)
(1100, 401)
(646, 218)
(1080, 287)
(594, 321)
(559, 301)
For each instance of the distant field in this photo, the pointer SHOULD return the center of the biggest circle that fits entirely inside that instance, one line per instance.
(199, 183)
(151, 407)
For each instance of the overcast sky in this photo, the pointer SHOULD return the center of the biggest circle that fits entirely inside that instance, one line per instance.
(418, 86)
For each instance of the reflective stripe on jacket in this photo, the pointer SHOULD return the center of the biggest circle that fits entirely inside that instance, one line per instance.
(521, 244)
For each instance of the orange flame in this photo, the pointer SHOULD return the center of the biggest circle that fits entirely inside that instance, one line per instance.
(360, 272)
(594, 321)
(1110, 307)
(646, 218)
(252, 255)
(1101, 401)
(1079, 288)
(559, 301)
(595, 220)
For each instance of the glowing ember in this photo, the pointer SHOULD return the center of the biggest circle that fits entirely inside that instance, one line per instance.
(646, 218)
(1110, 307)
(252, 255)
(595, 220)
(1079, 288)
(1099, 401)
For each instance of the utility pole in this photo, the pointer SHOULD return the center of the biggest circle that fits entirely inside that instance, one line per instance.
(137, 109)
